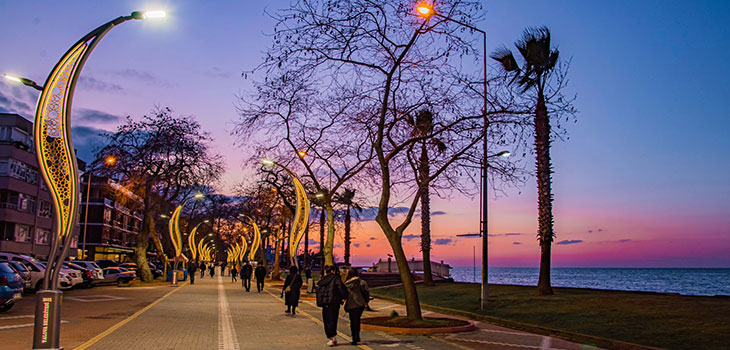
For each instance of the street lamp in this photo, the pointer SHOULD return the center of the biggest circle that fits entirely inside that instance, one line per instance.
(175, 237)
(427, 11)
(301, 216)
(57, 160)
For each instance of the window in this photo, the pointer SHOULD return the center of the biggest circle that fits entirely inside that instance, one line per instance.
(44, 209)
(107, 215)
(42, 236)
(22, 233)
(26, 203)
(22, 171)
(5, 132)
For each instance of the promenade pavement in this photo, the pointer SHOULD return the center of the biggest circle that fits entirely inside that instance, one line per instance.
(217, 314)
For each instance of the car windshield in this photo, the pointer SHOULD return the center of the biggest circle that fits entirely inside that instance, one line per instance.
(94, 265)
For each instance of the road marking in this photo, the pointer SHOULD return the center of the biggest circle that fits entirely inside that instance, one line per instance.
(95, 298)
(506, 332)
(23, 325)
(545, 343)
(317, 321)
(121, 323)
(15, 317)
(227, 338)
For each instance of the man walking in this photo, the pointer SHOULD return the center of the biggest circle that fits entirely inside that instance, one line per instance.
(260, 273)
(192, 269)
(246, 271)
(330, 294)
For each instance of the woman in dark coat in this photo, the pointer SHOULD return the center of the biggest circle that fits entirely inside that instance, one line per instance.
(358, 297)
(292, 289)
(330, 294)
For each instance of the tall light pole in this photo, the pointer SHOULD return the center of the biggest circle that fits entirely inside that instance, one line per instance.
(427, 11)
(57, 161)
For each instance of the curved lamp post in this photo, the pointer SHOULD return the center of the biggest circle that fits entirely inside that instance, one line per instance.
(256, 239)
(57, 160)
(175, 237)
(301, 217)
(191, 241)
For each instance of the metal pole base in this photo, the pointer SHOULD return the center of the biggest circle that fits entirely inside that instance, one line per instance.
(47, 330)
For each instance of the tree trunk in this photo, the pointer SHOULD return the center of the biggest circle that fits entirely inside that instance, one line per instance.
(348, 238)
(276, 272)
(330, 243)
(423, 173)
(413, 306)
(148, 227)
(544, 193)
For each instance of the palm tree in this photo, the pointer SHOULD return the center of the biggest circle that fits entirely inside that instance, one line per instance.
(422, 127)
(539, 59)
(346, 199)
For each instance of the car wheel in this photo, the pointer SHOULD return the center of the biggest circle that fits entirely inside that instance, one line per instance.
(7, 307)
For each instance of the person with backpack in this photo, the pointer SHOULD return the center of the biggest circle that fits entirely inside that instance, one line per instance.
(202, 269)
(330, 294)
(234, 272)
(358, 297)
(192, 269)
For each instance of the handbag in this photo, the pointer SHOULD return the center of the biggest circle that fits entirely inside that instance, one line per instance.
(287, 290)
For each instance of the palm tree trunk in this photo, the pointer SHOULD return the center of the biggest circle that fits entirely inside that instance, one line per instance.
(330, 243)
(347, 236)
(306, 246)
(544, 193)
(423, 171)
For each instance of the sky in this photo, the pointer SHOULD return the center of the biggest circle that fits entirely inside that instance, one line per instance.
(642, 181)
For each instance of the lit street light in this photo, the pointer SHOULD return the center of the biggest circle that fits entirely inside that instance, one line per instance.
(57, 160)
(427, 11)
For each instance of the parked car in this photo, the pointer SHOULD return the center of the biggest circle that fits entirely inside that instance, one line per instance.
(90, 265)
(107, 263)
(11, 287)
(24, 274)
(76, 276)
(130, 266)
(88, 276)
(37, 270)
(117, 275)
(156, 271)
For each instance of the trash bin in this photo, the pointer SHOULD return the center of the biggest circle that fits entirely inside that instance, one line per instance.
(182, 275)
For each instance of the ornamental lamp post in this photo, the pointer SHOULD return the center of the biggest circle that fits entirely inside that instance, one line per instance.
(175, 237)
(57, 160)
(301, 216)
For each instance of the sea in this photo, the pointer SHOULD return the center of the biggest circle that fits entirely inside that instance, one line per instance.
(663, 280)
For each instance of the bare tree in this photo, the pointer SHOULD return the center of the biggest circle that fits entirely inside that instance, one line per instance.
(159, 157)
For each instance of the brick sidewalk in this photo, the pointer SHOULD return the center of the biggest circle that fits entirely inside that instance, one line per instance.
(218, 314)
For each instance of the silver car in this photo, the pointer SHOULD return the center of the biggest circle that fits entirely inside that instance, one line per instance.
(117, 275)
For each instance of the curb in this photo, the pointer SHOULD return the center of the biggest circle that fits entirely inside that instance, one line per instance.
(556, 333)
(419, 331)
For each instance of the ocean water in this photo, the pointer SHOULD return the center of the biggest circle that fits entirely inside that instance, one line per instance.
(682, 281)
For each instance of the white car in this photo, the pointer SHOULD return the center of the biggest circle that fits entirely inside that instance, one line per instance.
(75, 276)
(37, 270)
(92, 266)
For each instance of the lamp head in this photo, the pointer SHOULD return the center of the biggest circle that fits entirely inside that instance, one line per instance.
(12, 78)
(148, 14)
(199, 195)
(425, 10)
(302, 154)
(267, 162)
(206, 221)
(110, 160)
(503, 154)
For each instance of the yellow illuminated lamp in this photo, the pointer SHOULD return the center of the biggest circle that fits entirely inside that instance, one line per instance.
(256, 242)
(200, 248)
(301, 217)
(174, 230)
(191, 243)
(425, 9)
(244, 246)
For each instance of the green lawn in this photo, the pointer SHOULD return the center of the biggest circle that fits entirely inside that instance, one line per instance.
(667, 321)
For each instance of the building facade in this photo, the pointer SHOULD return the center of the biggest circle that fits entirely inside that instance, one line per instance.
(26, 210)
(114, 219)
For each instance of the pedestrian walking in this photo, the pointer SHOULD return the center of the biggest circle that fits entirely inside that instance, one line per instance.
(223, 269)
(234, 272)
(202, 269)
(260, 273)
(212, 270)
(330, 294)
(246, 271)
(358, 297)
(192, 269)
(292, 290)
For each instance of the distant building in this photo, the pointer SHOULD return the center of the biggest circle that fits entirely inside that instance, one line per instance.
(115, 219)
(26, 211)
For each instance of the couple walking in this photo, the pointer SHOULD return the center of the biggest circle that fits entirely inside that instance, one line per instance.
(331, 293)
